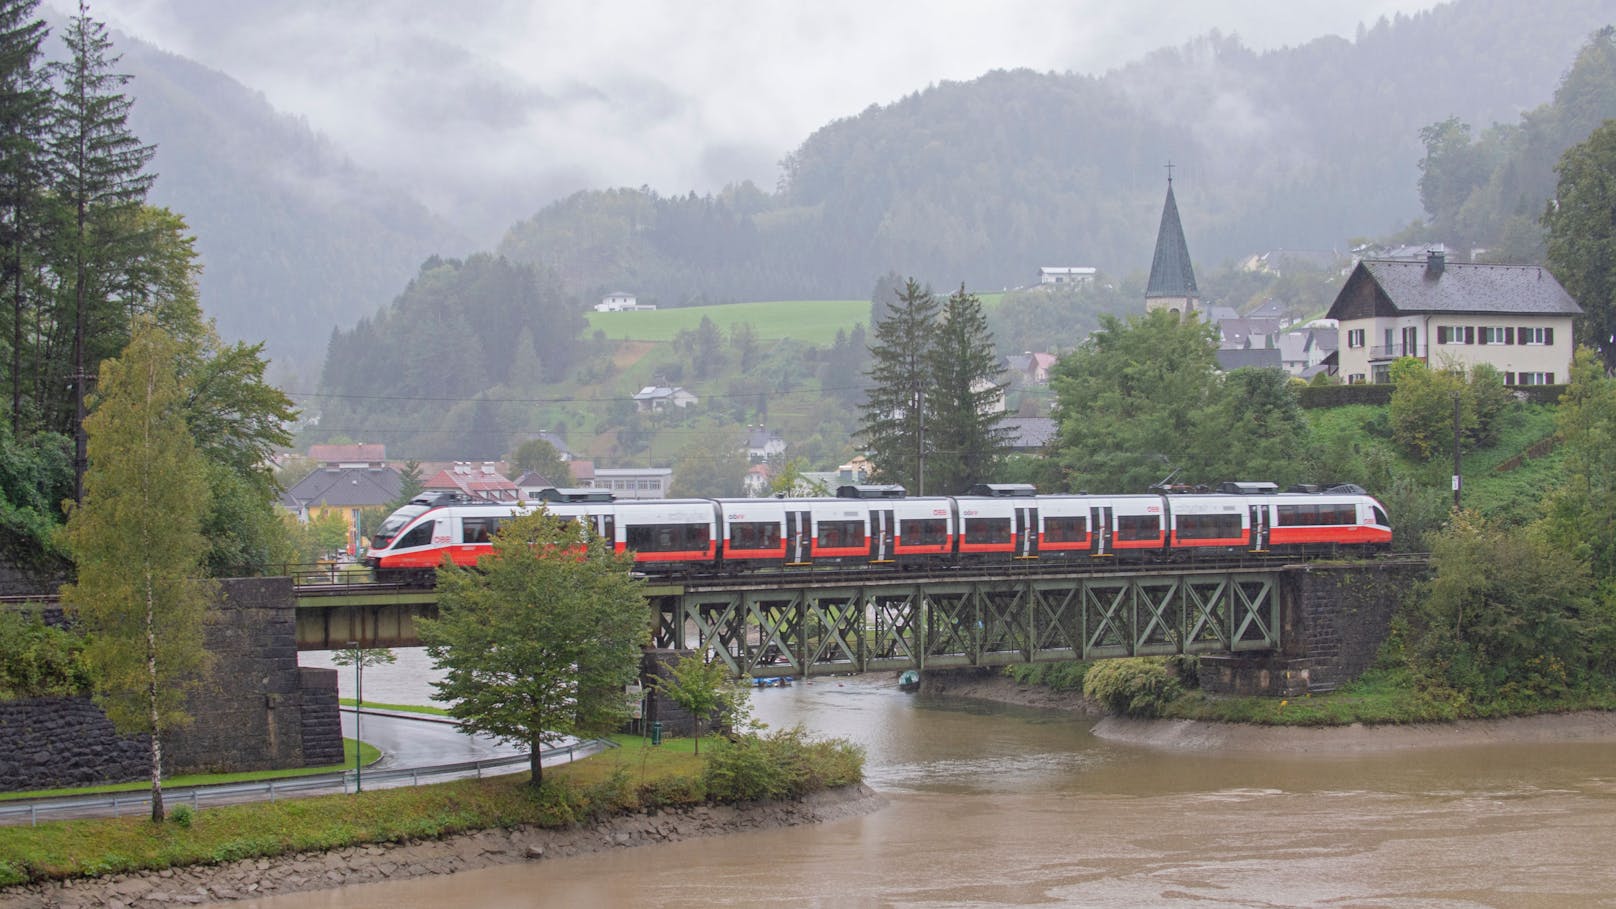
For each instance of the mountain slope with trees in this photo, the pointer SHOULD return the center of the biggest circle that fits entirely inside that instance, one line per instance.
(986, 180)
(294, 238)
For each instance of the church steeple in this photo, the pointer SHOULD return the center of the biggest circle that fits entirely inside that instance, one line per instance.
(1172, 280)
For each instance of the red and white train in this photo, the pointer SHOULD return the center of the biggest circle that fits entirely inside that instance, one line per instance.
(879, 527)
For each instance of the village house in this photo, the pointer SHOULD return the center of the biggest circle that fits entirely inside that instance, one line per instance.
(346, 489)
(624, 482)
(479, 482)
(1075, 275)
(653, 398)
(621, 302)
(763, 444)
(1515, 318)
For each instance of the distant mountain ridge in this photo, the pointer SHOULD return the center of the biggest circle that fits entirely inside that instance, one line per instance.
(296, 239)
(980, 181)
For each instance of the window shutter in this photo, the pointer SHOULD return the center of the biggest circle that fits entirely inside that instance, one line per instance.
(1509, 378)
(1442, 334)
(1548, 335)
(1470, 334)
(1509, 336)
(1523, 335)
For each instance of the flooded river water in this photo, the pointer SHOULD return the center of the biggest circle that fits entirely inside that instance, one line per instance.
(998, 806)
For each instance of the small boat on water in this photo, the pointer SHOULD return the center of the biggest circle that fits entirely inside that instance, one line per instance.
(909, 680)
(772, 681)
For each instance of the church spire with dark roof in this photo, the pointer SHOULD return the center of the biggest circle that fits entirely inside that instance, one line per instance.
(1172, 279)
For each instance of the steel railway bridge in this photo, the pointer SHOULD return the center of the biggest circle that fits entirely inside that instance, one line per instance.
(828, 622)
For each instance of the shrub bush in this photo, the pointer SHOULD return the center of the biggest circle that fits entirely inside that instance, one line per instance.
(1054, 676)
(1135, 686)
(783, 764)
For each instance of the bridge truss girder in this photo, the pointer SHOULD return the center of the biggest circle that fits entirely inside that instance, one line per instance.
(926, 624)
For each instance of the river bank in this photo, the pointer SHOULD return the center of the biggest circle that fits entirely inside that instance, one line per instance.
(1231, 738)
(394, 861)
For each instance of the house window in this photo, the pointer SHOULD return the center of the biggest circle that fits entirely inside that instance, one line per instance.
(1380, 373)
(1538, 335)
(1356, 378)
(1532, 378)
(1491, 334)
(1355, 337)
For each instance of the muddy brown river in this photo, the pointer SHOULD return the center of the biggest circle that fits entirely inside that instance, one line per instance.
(998, 806)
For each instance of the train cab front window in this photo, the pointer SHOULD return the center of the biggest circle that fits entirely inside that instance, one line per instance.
(389, 529)
(1380, 516)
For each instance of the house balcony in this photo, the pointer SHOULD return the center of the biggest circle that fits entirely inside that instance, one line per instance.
(1395, 351)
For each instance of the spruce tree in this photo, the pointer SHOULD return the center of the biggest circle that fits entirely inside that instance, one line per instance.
(966, 402)
(894, 410)
(25, 106)
(101, 180)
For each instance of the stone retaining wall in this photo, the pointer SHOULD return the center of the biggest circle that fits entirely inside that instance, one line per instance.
(251, 712)
(50, 743)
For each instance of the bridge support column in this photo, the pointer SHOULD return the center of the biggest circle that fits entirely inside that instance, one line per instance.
(1254, 674)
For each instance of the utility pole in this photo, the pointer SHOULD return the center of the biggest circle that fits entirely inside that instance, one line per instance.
(920, 441)
(1456, 451)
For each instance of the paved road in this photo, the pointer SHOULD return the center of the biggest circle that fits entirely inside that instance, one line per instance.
(408, 742)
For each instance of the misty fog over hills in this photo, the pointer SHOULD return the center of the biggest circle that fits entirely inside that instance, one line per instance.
(979, 181)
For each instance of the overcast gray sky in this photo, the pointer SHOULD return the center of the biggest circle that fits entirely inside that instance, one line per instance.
(560, 95)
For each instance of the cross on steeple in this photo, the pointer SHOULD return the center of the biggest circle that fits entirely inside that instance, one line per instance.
(1169, 172)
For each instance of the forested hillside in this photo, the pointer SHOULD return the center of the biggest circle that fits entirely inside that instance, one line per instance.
(984, 181)
(294, 238)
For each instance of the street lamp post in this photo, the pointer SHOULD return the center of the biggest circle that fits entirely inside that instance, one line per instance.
(359, 703)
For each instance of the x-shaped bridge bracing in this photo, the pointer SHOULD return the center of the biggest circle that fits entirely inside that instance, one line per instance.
(908, 623)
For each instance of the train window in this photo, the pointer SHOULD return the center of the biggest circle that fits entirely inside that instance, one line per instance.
(1380, 516)
(1298, 515)
(668, 537)
(836, 534)
(754, 535)
(476, 530)
(1138, 527)
(923, 532)
(987, 530)
(1073, 529)
(419, 535)
(1208, 526)
(1338, 514)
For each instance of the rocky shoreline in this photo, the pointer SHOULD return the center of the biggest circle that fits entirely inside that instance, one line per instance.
(198, 885)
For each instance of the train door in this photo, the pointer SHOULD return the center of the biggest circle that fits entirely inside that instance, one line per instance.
(606, 526)
(882, 531)
(799, 531)
(1026, 533)
(1100, 531)
(1259, 528)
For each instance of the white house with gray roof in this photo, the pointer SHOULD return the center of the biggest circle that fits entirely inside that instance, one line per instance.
(1515, 318)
